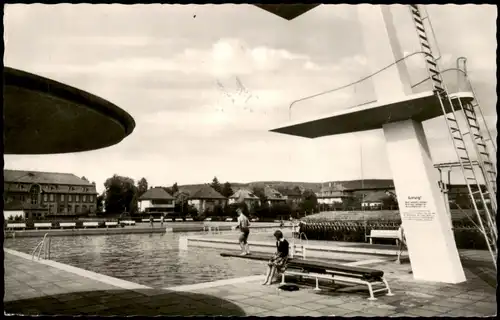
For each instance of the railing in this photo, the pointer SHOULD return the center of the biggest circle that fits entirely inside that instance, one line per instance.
(45, 245)
(305, 237)
(360, 91)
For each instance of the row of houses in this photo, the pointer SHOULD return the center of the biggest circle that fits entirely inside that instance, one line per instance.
(156, 199)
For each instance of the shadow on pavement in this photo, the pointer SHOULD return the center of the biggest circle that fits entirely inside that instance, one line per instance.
(150, 302)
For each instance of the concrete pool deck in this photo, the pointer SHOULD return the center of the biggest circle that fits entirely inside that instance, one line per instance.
(49, 288)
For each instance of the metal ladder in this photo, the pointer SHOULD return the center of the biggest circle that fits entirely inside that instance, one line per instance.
(455, 132)
(45, 245)
(473, 122)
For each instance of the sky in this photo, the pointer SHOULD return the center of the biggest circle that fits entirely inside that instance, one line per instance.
(206, 83)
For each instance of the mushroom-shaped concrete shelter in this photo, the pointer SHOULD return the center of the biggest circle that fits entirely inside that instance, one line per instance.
(43, 116)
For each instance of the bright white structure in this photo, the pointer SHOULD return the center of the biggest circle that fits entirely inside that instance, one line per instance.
(400, 110)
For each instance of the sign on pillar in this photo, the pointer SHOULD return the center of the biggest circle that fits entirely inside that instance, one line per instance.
(428, 230)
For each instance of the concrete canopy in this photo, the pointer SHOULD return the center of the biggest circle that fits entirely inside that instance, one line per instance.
(42, 116)
(288, 11)
(420, 107)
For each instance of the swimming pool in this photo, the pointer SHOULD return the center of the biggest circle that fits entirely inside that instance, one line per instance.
(149, 259)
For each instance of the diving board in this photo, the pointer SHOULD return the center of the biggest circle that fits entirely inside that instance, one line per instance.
(419, 107)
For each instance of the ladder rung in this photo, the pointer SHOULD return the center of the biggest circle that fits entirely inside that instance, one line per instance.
(426, 45)
(474, 126)
(431, 62)
(458, 138)
(461, 148)
(418, 20)
(421, 29)
(434, 71)
(436, 79)
(467, 168)
(451, 119)
(423, 37)
(481, 144)
(465, 158)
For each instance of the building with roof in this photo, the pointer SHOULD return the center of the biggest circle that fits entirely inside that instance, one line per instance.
(375, 200)
(244, 196)
(331, 194)
(38, 194)
(292, 195)
(156, 200)
(206, 198)
(273, 196)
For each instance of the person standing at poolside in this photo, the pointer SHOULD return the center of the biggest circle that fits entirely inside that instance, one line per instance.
(162, 219)
(244, 226)
(151, 220)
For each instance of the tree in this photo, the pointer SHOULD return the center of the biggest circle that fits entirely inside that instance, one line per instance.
(390, 202)
(142, 186)
(120, 195)
(216, 185)
(167, 189)
(175, 188)
(259, 192)
(100, 203)
(297, 190)
(352, 202)
(309, 201)
(227, 191)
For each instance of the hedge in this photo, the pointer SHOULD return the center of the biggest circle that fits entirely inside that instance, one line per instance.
(466, 235)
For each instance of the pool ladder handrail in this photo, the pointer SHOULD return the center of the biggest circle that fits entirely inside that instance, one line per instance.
(45, 244)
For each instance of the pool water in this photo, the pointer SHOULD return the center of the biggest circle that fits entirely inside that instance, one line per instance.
(149, 259)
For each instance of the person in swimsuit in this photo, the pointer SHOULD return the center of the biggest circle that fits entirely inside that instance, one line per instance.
(244, 226)
(279, 260)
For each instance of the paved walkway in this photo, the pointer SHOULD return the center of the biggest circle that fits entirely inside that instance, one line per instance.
(33, 288)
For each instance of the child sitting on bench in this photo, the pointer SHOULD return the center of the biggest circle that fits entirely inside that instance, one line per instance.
(279, 260)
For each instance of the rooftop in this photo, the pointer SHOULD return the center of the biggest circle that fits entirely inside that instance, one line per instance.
(244, 194)
(156, 193)
(24, 176)
(207, 192)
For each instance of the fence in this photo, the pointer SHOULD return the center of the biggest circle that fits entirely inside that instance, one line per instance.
(466, 235)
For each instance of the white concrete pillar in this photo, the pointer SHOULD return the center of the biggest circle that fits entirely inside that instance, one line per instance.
(382, 48)
(428, 229)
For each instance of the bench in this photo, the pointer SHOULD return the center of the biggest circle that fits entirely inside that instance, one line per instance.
(43, 225)
(169, 219)
(16, 226)
(63, 225)
(384, 234)
(323, 270)
(90, 224)
(145, 220)
(229, 219)
(189, 219)
(128, 222)
(111, 224)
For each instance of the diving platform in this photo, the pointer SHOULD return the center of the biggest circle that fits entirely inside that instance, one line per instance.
(419, 107)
